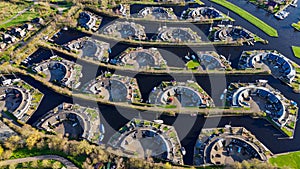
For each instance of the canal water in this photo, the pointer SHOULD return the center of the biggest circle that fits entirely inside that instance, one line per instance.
(187, 127)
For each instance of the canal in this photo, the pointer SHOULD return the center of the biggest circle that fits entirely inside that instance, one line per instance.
(188, 128)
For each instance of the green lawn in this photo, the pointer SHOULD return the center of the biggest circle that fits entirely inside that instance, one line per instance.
(24, 152)
(249, 17)
(296, 50)
(290, 160)
(296, 26)
(192, 64)
(168, 106)
(33, 12)
(9, 10)
(199, 2)
(27, 16)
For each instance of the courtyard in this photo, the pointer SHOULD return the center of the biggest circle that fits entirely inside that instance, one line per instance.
(142, 138)
(206, 61)
(176, 35)
(279, 65)
(236, 34)
(59, 71)
(114, 88)
(224, 146)
(89, 48)
(125, 30)
(141, 58)
(73, 121)
(158, 13)
(261, 97)
(201, 14)
(19, 99)
(180, 94)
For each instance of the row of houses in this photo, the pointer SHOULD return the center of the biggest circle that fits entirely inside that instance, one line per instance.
(16, 33)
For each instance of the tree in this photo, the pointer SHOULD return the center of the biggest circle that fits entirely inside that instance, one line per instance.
(1, 150)
(56, 165)
(168, 166)
(34, 164)
(12, 142)
(271, 9)
(32, 140)
(246, 165)
(46, 163)
(260, 2)
(26, 165)
(6, 154)
(12, 166)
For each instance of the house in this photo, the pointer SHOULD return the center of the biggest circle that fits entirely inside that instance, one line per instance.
(27, 26)
(87, 20)
(7, 38)
(39, 21)
(18, 32)
(21, 33)
(2, 45)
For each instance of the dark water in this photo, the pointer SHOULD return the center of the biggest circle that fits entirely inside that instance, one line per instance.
(187, 127)
(287, 35)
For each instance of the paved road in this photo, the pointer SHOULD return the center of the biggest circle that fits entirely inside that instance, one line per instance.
(66, 162)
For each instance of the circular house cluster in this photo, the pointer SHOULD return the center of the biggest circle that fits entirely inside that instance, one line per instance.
(201, 13)
(19, 98)
(159, 13)
(221, 146)
(89, 21)
(114, 88)
(14, 100)
(177, 35)
(262, 98)
(232, 33)
(173, 94)
(73, 121)
(60, 71)
(280, 66)
(144, 139)
(210, 62)
(125, 30)
(141, 58)
(89, 48)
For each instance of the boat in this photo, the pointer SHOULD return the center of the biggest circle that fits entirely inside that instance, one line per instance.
(194, 114)
(182, 149)
(294, 4)
(158, 121)
(281, 15)
(101, 137)
(187, 58)
(102, 130)
(193, 57)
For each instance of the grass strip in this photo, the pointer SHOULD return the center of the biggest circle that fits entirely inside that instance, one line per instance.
(249, 17)
(296, 50)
